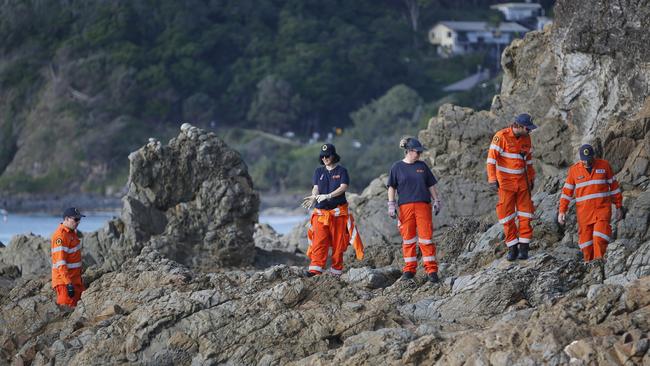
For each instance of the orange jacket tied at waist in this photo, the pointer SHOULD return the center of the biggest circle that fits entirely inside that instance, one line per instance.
(324, 218)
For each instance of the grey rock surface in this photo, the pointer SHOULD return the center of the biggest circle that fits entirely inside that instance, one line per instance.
(584, 79)
(191, 199)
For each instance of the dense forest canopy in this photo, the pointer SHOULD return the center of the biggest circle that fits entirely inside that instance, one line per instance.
(275, 65)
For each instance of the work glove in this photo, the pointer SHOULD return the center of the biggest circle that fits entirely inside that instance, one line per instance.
(560, 218)
(308, 201)
(70, 288)
(494, 186)
(437, 205)
(323, 197)
(620, 213)
(392, 211)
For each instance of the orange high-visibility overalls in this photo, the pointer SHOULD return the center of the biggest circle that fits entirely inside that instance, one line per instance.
(509, 157)
(594, 194)
(66, 265)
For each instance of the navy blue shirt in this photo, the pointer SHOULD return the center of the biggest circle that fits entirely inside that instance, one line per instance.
(328, 181)
(412, 181)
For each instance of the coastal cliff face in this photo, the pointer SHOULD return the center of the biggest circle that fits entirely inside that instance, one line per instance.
(153, 298)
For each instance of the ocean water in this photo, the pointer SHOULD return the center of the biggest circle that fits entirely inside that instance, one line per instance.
(44, 225)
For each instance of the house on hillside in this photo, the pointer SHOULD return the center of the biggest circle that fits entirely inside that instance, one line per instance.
(514, 12)
(457, 38)
(530, 15)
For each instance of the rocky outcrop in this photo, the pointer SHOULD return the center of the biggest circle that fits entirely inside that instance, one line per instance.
(192, 200)
(26, 255)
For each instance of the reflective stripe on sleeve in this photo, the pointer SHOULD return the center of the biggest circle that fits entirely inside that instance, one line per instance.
(429, 259)
(491, 161)
(570, 199)
(66, 249)
(495, 147)
(569, 186)
(410, 259)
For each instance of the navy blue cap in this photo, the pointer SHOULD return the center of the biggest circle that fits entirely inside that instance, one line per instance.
(72, 212)
(328, 150)
(414, 144)
(586, 152)
(525, 120)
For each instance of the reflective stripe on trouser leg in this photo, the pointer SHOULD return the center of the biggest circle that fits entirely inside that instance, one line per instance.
(506, 212)
(525, 212)
(424, 226)
(585, 241)
(409, 237)
(410, 258)
(602, 237)
(320, 245)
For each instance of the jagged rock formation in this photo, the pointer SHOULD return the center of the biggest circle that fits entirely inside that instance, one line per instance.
(26, 255)
(192, 200)
(575, 77)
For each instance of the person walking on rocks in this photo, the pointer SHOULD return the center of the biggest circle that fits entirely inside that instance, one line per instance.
(594, 186)
(331, 225)
(511, 174)
(66, 259)
(414, 184)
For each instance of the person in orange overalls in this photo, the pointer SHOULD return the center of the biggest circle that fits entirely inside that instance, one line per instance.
(66, 259)
(331, 225)
(510, 173)
(414, 183)
(592, 183)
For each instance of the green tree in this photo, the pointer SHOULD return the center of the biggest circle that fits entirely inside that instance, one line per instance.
(275, 107)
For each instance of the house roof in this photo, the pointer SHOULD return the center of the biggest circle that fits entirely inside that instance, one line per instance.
(469, 82)
(531, 6)
(482, 26)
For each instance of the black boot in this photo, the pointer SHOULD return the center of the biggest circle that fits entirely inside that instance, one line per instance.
(523, 250)
(433, 277)
(513, 251)
(408, 275)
